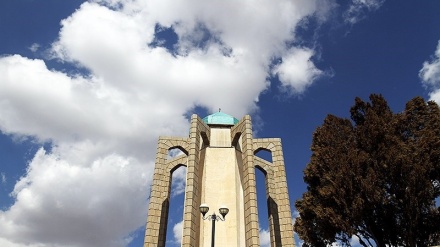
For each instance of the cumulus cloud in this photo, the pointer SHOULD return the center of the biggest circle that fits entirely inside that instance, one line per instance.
(264, 238)
(358, 10)
(34, 47)
(297, 71)
(104, 124)
(435, 96)
(430, 74)
(178, 232)
(55, 200)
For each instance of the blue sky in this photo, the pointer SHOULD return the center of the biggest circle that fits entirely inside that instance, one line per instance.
(87, 87)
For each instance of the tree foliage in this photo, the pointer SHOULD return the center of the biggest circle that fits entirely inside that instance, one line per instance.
(375, 177)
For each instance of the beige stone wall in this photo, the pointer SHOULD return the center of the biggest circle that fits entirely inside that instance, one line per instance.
(220, 186)
(220, 137)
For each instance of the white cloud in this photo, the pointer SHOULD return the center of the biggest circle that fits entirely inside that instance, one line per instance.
(178, 232)
(7, 243)
(264, 238)
(297, 71)
(295, 215)
(3, 178)
(435, 96)
(430, 73)
(104, 126)
(56, 202)
(241, 75)
(34, 47)
(358, 9)
(355, 241)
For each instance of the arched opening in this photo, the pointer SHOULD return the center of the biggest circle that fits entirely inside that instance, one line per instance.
(263, 214)
(265, 154)
(205, 139)
(236, 141)
(176, 205)
(175, 152)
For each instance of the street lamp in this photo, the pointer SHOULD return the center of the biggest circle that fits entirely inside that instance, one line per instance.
(213, 217)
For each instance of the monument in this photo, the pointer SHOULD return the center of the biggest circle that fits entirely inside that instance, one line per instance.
(220, 156)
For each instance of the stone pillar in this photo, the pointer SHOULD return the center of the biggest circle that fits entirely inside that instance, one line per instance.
(280, 216)
(155, 233)
(249, 186)
(198, 139)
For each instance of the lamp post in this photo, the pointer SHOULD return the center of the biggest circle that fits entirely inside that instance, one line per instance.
(213, 217)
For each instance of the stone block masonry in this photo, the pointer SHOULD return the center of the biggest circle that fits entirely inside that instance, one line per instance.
(220, 158)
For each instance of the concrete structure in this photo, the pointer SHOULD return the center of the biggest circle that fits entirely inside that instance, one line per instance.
(220, 158)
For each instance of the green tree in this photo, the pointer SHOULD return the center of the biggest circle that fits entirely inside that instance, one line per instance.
(375, 176)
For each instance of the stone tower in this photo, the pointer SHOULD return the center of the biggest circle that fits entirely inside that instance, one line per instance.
(220, 158)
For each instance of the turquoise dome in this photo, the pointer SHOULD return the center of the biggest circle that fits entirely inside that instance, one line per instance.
(220, 118)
